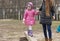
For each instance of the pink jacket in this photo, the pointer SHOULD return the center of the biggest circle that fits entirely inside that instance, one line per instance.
(29, 16)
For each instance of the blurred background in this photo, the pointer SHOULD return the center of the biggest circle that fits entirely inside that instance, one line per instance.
(14, 9)
(11, 15)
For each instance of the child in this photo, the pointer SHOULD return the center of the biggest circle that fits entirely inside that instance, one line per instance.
(58, 29)
(46, 18)
(29, 17)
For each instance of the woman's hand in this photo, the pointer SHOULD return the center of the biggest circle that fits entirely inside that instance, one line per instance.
(53, 17)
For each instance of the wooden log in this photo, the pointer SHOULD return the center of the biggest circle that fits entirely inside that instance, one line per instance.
(29, 37)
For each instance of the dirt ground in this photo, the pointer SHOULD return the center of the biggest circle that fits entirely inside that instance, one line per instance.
(13, 30)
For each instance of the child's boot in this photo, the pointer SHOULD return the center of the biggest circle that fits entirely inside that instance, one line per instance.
(30, 33)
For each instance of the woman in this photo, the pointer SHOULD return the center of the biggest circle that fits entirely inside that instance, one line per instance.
(47, 13)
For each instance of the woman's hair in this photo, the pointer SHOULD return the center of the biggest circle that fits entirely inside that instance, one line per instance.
(49, 4)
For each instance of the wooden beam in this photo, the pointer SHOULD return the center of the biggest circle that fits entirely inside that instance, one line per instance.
(29, 37)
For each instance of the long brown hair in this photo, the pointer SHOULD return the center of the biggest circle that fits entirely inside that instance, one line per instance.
(48, 4)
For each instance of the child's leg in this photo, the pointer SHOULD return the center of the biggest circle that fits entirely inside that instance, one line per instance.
(30, 32)
(44, 30)
(49, 31)
(30, 28)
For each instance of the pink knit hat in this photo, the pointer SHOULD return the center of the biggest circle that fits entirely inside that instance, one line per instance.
(30, 4)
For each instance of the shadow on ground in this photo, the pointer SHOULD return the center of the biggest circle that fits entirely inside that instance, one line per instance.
(23, 39)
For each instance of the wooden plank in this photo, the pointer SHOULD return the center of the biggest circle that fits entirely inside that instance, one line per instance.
(29, 37)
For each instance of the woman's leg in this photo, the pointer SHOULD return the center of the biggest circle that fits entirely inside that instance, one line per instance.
(44, 30)
(49, 32)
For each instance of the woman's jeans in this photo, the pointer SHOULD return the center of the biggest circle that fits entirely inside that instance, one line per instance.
(47, 27)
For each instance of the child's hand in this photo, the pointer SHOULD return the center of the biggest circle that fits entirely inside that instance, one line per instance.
(53, 17)
(23, 21)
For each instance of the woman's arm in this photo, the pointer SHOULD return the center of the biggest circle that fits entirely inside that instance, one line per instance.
(53, 12)
(40, 9)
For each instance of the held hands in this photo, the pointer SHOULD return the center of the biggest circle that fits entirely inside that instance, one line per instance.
(37, 9)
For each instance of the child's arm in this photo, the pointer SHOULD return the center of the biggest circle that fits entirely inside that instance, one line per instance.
(25, 15)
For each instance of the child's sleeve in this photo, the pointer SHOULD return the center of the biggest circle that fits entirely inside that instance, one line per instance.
(25, 14)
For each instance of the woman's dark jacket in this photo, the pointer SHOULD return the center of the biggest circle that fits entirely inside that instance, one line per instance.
(46, 19)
